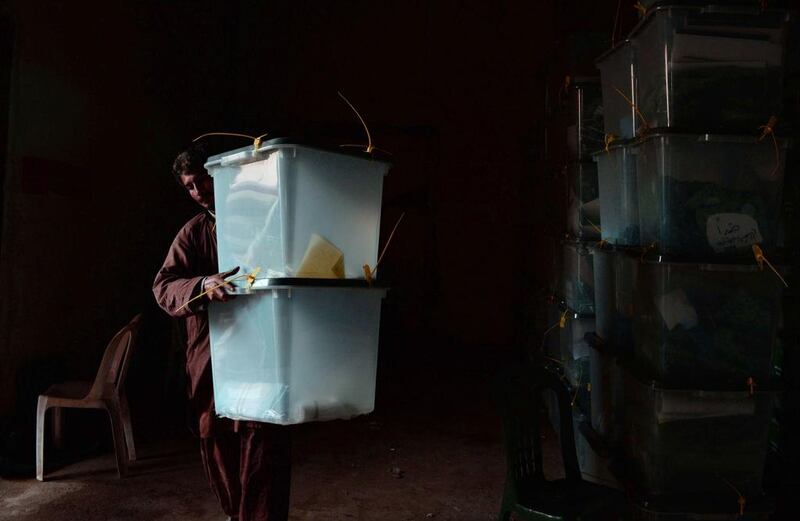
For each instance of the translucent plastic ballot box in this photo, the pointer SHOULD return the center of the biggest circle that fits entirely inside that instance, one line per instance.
(709, 197)
(686, 443)
(577, 277)
(619, 196)
(710, 68)
(617, 81)
(296, 351)
(703, 326)
(282, 203)
(693, 68)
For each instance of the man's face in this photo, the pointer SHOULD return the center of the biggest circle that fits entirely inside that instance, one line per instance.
(201, 187)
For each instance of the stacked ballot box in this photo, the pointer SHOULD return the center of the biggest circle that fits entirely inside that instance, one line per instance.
(570, 316)
(573, 130)
(576, 132)
(300, 342)
(701, 197)
(690, 186)
(695, 68)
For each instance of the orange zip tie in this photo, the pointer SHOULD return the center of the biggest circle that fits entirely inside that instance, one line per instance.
(251, 277)
(769, 129)
(556, 360)
(565, 86)
(561, 324)
(256, 139)
(742, 500)
(641, 8)
(370, 147)
(607, 140)
(369, 273)
(751, 385)
(547, 332)
(635, 108)
(593, 225)
(760, 259)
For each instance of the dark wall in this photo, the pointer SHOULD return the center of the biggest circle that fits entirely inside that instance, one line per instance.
(103, 95)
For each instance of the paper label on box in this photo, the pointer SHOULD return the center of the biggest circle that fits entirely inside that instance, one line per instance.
(726, 231)
(676, 309)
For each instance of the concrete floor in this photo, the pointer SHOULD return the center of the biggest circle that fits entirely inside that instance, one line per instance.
(422, 460)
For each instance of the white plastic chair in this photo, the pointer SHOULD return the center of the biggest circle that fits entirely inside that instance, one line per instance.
(106, 392)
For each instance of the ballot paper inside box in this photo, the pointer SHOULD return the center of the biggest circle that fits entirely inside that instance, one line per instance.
(294, 352)
(283, 203)
(706, 326)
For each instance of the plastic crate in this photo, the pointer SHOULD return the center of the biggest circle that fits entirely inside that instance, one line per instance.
(619, 93)
(709, 197)
(755, 6)
(573, 336)
(606, 396)
(583, 202)
(584, 125)
(604, 291)
(295, 353)
(708, 326)
(272, 201)
(709, 68)
(718, 510)
(594, 465)
(577, 373)
(614, 338)
(614, 283)
(696, 444)
(577, 278)
(619, 196)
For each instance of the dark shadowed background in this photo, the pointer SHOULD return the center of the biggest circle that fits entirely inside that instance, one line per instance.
(96, 99)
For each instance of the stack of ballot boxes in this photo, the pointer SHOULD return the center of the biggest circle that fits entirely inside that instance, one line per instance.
(690, 184)
(575, 134)
(299, 343)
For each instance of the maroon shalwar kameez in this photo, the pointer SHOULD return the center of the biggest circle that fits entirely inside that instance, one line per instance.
(247, 463)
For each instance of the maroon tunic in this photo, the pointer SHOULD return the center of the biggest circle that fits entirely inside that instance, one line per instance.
(192, 256)
(249, 465)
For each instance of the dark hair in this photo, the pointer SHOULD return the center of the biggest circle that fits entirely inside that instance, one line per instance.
(191, 160)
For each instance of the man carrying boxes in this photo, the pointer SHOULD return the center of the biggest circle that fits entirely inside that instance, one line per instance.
(248, 464)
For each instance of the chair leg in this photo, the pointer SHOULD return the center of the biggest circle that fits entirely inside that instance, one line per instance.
(41, 410)
(117, 431)
(58, 427)
(125, 412)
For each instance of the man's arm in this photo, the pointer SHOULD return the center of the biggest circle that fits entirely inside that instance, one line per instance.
(177, 282)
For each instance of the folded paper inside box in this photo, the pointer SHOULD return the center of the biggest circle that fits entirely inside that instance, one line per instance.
(322, 260)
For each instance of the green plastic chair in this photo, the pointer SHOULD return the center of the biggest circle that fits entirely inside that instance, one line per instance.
(527, 493)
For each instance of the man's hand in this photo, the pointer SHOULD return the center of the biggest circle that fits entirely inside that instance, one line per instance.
(217, 282)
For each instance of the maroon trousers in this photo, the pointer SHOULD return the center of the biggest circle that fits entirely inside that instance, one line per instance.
(250, 471)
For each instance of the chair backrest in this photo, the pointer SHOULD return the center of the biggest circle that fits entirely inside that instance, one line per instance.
(114, 365)
(520, 392)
